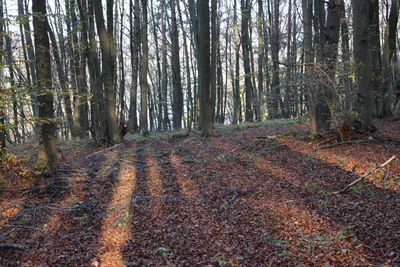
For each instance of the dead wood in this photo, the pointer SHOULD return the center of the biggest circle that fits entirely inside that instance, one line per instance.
(102, 151)
(356, 142)
(11, 245)
(365, 175)
(21, 226)
(136, 197)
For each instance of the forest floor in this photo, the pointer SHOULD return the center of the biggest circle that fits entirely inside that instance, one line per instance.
(233, 199)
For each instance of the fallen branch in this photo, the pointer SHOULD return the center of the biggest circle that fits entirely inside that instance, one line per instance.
(102, 151)
(365, 175)
(134, 198)
(22, 226)
(236, 149)
(352, 142)
(15, 246)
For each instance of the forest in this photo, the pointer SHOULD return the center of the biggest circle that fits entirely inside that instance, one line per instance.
(199, 133)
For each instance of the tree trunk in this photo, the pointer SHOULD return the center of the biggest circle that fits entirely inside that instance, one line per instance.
(236, 90)
(214, 48)
(189, 97)
(144, 69)
(246, 11)
(316, 106)
(98, 124)
(206, 118)
(2, 91)
(388, 50)
(164, 67)
(363, 46)
(135, 49)
(177, 103)
(30, 56)
(260, 25)
(106, 42)
(47, 131)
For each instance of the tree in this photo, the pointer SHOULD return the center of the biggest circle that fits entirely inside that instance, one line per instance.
(47, 131)
(206, 114)
(261, 55)
(236, 78)
(364, 31)
(144, 85)
(164, 67)
(2, 93)
(389, 48)
(106, 47)
(135, 48)
(177, 103)
(246, 11)
(275, 47)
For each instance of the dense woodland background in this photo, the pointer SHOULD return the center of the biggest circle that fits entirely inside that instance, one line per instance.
(85, 68)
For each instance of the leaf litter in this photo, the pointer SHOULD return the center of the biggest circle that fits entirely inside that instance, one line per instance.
(248, 196)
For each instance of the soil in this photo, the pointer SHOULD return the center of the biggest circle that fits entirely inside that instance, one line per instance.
(249, 196)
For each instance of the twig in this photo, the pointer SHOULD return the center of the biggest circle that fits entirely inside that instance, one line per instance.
(325, 141)
(135, 197)
(236, 149)
(8, 245)
(349, 142)
(21, 226)
(102, 151)
(234, 196)
(365, 175)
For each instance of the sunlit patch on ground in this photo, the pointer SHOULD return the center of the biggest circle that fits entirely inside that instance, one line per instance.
(116, 227)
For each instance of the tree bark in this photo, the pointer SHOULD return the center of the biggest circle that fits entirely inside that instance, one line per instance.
(177, 103)
(236, 90)
(389, 48)
(206, 118)
(246, 11)
(144, 86)
(47, 131)
(363, 46)
(2, 91)
(135, 48)
(106, 42)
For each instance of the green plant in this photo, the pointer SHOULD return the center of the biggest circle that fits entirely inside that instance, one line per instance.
(162, 251)
(124, 219)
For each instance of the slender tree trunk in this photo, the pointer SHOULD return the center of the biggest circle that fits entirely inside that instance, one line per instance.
(177, 103)
(107, 69)
(347, 71)
(98, 123)
(246, 11)
(317, 119)
(62, 76)
(275, 47)
(261, 99)
(30, 56)
(206, 118)
(289, 69)
(236, 91)
(2, 91)
(47, 131)
(388, 50)
(135, 49)
(144, 69)
(122, 76)
(189, 97)
(159, 75)
(164, 67)
(214, 48)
